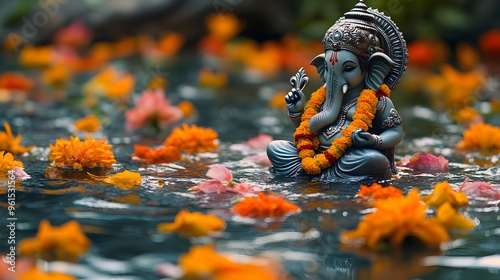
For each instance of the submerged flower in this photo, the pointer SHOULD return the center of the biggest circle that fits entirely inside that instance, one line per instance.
(480, 137)
(222, 181)
(378, 192)
(394, 221)
(155, 155)
(193, 139)
(203, 262)
(420, 162)
(265, 206)
(153, 109)
(449, 217)
(88, 124)
(443, 193)
(64, 243)
(15, 81)
(76, 154)
(7, 163)
(125, 180)
(480, 189)
(37, 274)
(194, 224)
(10, 144)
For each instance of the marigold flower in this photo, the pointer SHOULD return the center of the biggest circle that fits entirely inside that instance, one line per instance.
(64, 243)
(155, 155)
(90, 153)
(420, 162)
(110, 83)
(480, 137)
(56, 75)
(34, 273)
(125, 180)
(170, 44)
(467, 116)
(152, 108)
(31, 56)
(193, 224)
(394, 220)
(265, 206)
(8, 163)
(209, 78)
(223, 28)
(88, 124)
(480, 189)
(449, 217)
(15, 81)
(203, 262)
(187, 108)
(193, 139)
(10, 144)
(444, 193)
(222, 181)
(378, 192)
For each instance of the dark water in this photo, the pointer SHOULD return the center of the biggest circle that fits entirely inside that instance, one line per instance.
(122, 224)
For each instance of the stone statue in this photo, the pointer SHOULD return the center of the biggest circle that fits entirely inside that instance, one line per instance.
(349, 127)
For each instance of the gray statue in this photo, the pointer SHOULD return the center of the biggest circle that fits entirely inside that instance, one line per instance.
(349, 127)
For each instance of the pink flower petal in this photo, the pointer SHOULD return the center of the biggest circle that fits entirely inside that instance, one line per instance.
(420, 162)
(480, 189)
(242, 188)
(220, 173)
(260, 141)
(20, 173)
(260, 158)
(211, 186)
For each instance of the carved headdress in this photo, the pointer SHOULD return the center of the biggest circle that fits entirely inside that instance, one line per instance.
(364, 31)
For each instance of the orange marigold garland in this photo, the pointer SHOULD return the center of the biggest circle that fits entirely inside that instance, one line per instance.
(307, 143)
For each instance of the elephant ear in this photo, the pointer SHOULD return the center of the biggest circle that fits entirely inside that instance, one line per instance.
(319, 63)
(378, 66)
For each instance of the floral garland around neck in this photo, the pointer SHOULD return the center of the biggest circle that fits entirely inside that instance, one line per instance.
(307, 143)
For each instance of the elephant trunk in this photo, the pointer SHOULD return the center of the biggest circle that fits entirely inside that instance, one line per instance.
(331, 108)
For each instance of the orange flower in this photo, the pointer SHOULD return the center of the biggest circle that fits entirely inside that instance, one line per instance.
(155, 156)
(34, 273)
(10, 144)
(481, 137)
(223, 27)
(31, 56)
(193, 139)
(420, 54)
(64, 243)
(203, 262)
(443, 193)
(125, 180)
(208, 78)
(265, 206)
(76, 154)
(187, 108)
(169, 44)
(15, 81)
(157, 83)
(8, 163)
(378, 192)
(490, 43)
(56, 75)
(467, 116)
(88, 124)
(449, 217)
(467, 56)
(193, 224)
(111, 83)
(394, 220)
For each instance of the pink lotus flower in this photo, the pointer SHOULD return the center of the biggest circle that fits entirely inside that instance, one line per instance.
(480, 189)
(258, 142)
(222, 181)
(154, 109)
(76, 35)
(429, 163)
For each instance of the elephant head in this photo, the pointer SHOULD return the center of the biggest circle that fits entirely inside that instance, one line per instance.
(345, 75)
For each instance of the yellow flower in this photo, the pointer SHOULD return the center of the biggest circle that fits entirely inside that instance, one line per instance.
(378, 192)
(481, 137)
(443, 193)
(193, 224)
(76, 154)
(395, 220)
(449, 217)
(203, 262)
(125, 180)
(7, 163)
(64, 243)
(193, 139)
(10, 144)
(89, 124)
(34, 273)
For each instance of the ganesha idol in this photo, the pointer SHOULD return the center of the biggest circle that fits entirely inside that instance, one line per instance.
(348, 129)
